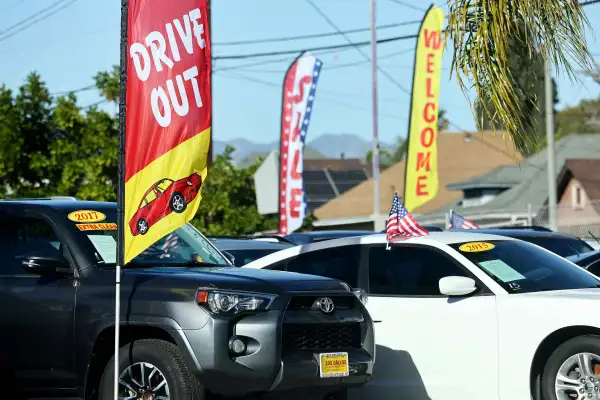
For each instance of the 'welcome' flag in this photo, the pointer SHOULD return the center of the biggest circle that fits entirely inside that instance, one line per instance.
(168, 118)
(421, 180)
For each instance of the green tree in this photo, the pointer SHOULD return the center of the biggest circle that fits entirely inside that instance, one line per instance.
(228, 205)
(582, 118)
(483, 35)
(50, 146)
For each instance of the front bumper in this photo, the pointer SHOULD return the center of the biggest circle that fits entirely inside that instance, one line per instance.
(274, 361)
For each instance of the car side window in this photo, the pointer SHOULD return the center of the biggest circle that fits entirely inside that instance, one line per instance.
(409, 271)
(22, 236)
(337, 262)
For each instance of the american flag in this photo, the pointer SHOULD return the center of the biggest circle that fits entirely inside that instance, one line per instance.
(458, 222)
(171, 242)
(401, 223)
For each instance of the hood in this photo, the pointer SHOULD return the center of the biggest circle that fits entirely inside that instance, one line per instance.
(256, 280)
(574, 294)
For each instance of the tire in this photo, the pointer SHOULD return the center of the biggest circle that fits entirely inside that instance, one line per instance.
(142, 226)
(166, 357)
(560, 360)
(177, 203)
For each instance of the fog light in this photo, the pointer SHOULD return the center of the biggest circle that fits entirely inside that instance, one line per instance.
(237, 345)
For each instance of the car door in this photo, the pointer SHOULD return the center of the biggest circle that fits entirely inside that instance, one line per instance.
(429, 346)
(36, 312)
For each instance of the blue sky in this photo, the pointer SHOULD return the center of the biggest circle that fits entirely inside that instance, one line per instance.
(68, 48)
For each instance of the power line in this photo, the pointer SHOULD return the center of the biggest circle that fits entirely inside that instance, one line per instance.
(366, 56)
(333, 66)
(402, 3)
(239, 76)
(297, 51)
(589, 2)
(312, 36)
(28, 24)
(66, 92)
(23, 21)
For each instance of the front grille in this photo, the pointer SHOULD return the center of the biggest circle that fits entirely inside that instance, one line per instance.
(306, 302)
(332, 336)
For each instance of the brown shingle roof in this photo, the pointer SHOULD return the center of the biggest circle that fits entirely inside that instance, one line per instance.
(335, 164)
(587, 172)
(460, 156)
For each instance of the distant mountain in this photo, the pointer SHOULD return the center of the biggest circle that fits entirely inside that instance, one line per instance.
(309, 153)
(328, 145)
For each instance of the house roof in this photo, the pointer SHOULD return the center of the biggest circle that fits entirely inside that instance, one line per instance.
(503, 176)
(533, 178)
(460, 156)
(336, 164)
(587, 173)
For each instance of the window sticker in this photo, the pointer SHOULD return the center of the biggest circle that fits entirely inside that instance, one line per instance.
(97, 227)
(86, 216)
(475, 247)
(106, 246)
(501, 270)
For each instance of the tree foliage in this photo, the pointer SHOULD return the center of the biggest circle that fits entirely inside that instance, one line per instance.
(483, 33)
(582, 118)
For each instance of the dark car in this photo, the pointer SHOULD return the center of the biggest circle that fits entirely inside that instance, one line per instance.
(558, 243)
(589, 261)
(163, 198)
(191, 324)
(244, 251)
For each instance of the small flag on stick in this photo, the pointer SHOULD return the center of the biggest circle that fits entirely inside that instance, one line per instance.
(459, 222)
(401, 223)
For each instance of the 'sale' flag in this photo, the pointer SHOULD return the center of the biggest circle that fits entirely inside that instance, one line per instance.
(299, 88)
(168, 118)
(421, 180)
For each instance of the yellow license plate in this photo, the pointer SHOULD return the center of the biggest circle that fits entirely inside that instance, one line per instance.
(333, 365)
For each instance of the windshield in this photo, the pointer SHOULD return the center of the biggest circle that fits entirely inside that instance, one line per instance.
(563, 246)
(520, 267)
(184, 246)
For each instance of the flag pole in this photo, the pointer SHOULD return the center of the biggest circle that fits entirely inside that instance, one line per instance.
(375, 144)
(120, 190)
(448, 218)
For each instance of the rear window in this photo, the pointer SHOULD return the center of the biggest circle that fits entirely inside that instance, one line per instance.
(520, 267)
(563, 246)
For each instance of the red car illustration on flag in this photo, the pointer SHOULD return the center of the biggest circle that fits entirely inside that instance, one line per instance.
(163, 198)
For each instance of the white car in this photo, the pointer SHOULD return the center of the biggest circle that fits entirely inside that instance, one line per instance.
(467, 316)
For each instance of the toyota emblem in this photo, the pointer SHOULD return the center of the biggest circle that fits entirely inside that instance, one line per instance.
(326, 305)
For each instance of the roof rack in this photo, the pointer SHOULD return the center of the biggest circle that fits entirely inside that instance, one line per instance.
(54, 198)
(526, 228)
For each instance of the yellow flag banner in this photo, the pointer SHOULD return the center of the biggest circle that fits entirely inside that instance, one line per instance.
(421, 181)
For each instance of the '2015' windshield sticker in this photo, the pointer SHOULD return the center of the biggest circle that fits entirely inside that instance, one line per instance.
(475, 247)
(501, 270)
(86, 216)
(110, 226)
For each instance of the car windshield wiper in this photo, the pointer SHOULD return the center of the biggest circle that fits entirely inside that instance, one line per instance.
(193, 263)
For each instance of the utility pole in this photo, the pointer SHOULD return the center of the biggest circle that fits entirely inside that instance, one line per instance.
(212, 106)
(551, 167)
(375, 149)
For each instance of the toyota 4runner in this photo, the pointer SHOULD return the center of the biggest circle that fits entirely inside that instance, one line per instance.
(191, 325)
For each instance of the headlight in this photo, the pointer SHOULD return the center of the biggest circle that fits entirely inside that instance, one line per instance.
(225, 302)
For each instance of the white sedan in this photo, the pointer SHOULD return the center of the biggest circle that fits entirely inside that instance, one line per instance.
(467, 316)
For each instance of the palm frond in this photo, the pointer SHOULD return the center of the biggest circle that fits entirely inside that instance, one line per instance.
(481, 31)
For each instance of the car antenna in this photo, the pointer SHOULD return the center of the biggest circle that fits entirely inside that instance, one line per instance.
(595, 238)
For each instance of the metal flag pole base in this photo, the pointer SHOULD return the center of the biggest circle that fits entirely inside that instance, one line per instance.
(117, 330)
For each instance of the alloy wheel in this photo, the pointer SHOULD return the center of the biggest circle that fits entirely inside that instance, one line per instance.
(578, 378)
(143, 381)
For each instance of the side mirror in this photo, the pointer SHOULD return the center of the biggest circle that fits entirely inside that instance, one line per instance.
(229, 256)
(361, 295)
(457, 286)
(46, 265)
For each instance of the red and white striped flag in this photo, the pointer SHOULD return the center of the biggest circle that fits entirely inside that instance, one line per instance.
(401, 223)
(460, 222)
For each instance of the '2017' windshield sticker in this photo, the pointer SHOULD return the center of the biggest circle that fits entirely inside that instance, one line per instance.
(501, 270)
(86, 216)
(103, 226)
(475, 247)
